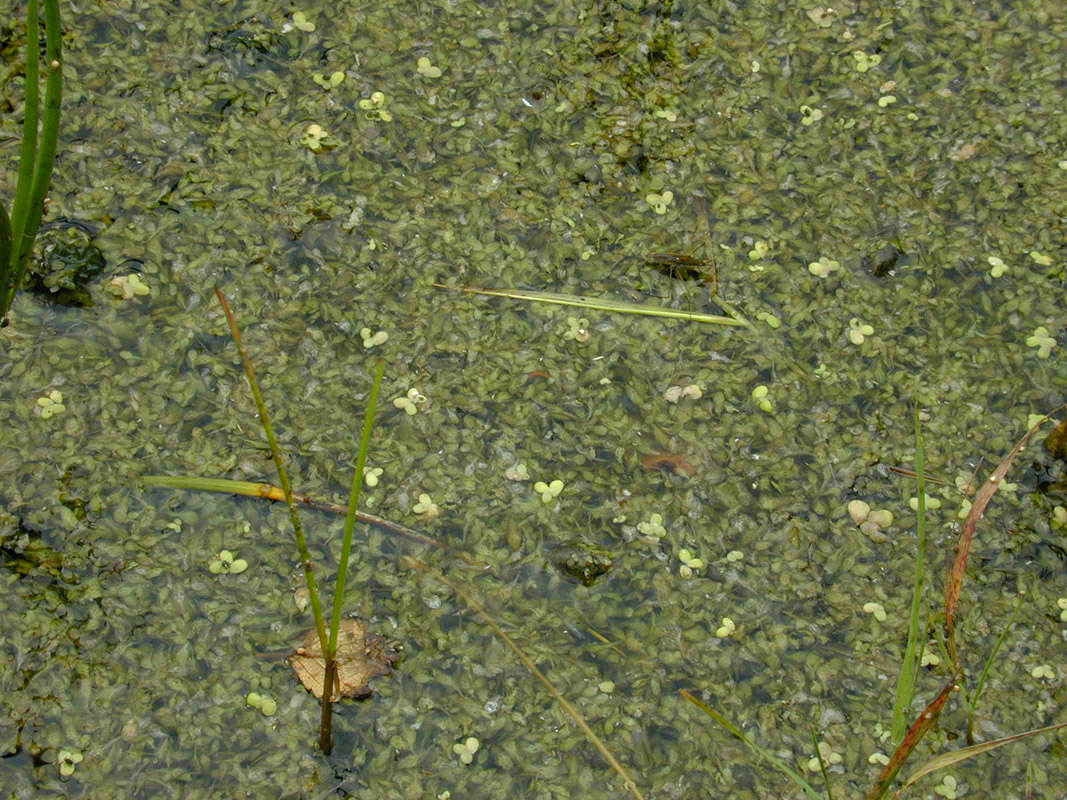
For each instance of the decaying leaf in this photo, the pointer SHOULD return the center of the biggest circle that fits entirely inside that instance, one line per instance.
(360, 657)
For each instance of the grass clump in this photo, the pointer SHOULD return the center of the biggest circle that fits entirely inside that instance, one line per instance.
(327, 636)
(37, 155)
(906, 737)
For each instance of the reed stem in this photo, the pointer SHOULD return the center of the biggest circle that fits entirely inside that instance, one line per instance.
(38, 153)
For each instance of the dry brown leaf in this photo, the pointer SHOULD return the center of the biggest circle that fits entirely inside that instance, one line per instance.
(360, 657)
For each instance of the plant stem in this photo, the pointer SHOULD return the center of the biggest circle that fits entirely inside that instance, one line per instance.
(28, 153)
(615, 306)
(353, 504)
(265, 490)
(283, 476)
(329, 678)
(38, 152)
(330, 652)
(46, 153)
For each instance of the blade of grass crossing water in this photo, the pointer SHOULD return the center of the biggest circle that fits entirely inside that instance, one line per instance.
(802, 784)
(567, 706)
(956, 756)
(603, 304)
(268, 492)
(283, 475)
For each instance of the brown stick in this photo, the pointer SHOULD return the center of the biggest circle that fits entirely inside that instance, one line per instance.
(963, 547)
(914, 735)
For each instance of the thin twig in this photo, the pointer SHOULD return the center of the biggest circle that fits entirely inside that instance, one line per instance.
(574, 713)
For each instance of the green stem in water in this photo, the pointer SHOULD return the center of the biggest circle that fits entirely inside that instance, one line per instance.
(38, 154)
(283, 475)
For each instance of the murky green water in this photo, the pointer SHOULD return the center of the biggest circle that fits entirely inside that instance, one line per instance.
(534, 149)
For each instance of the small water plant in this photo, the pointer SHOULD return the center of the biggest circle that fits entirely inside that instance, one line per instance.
(37, 155)
(906, 736)
(321, 645)
(318, 661)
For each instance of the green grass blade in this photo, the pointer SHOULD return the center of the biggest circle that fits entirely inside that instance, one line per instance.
(974, 696)
(752, 745)
(822, 763)
(195, 484)
(12, 269)
(353, 505)
(330, 652)
(46, 151)
(905, 691)
(283, 475)
(28, 153)
(732, 311)
(7, 273)
(602, 304)
(38, 151)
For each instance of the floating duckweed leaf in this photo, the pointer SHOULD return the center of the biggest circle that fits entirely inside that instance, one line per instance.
(360, 657)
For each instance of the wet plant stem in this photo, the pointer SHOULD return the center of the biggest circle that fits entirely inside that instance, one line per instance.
(38, 154)
(283, 475)
(327, 638)
(330, 652)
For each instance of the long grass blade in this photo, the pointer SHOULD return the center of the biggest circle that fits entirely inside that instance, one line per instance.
(822, 763)
(46, 152)
(330, 654)
(30, 135)
(38, 151)
(353, 506)
(567, 706)
(266, 491)
(956, 756)
(283, 475)
(752, 745)
(603, 304)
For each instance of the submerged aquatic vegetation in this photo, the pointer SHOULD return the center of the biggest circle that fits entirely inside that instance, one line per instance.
(486, 203)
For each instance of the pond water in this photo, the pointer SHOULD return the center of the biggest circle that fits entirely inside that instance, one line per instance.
(880, 192)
